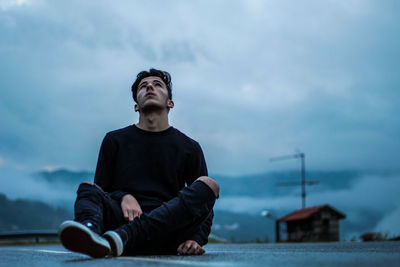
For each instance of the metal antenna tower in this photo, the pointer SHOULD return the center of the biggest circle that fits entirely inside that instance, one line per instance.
(303, 182)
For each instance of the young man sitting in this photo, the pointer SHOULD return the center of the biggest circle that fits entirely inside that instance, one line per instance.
(151, 193)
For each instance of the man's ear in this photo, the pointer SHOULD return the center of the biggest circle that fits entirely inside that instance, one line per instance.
(170, 103)
(136, 108)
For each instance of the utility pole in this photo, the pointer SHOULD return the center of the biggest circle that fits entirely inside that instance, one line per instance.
(303, 182)
(267, 214)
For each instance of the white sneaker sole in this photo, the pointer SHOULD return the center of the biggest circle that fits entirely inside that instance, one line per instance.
(78, 238)
(117, 246)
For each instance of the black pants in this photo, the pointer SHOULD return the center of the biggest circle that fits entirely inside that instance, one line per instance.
(159, 231)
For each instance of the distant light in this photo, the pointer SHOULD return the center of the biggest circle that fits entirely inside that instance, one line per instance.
(49, 168)
(265, 213)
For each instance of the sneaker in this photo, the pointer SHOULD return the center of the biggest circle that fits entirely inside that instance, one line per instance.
(78, 238)
(117, 246)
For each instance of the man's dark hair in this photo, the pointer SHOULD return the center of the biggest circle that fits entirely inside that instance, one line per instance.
(163, 75)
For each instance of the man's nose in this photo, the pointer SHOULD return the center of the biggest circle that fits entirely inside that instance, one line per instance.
(149, 86)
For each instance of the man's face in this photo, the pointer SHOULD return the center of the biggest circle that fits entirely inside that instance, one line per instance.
(152, 92)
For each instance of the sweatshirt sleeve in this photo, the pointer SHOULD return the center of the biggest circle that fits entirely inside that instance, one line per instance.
(104, 174)
(201, 237)
(196, 165)
(105, 164)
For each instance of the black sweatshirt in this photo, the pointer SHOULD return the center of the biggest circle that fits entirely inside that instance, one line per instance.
(151, 166)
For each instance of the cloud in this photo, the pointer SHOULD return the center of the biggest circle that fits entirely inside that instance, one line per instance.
(7, 4)
(251, 205)
(252, 79)
(20, 184)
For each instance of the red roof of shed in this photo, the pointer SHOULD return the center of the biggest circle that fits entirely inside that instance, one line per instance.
(302, 214)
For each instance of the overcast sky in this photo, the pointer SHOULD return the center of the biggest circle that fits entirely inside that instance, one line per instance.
(252, 79)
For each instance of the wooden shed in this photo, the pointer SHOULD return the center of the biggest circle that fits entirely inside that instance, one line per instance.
(318, 223)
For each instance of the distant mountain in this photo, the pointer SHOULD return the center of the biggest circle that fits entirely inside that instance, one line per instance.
(64, 176)
(238, 225)
(29, 215)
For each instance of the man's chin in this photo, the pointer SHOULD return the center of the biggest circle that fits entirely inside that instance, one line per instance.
(150, 107)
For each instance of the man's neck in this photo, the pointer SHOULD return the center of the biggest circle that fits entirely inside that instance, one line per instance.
(153, 121)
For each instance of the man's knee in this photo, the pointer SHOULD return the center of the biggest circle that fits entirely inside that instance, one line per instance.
(211, 183)
(92, 193)
(90, 188)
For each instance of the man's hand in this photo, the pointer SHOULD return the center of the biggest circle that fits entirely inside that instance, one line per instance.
(190, 247)
(130, 207)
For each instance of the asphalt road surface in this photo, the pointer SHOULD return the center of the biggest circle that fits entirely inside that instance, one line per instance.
(309, 254)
